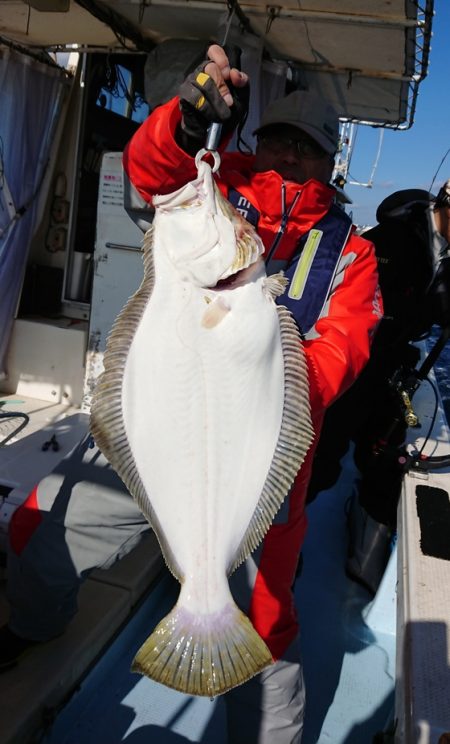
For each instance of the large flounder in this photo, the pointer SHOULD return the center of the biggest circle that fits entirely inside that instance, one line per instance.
(203, 410)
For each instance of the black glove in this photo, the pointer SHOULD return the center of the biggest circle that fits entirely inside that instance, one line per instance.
(201, 104)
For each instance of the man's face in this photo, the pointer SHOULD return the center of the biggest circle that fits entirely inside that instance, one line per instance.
(293, 154)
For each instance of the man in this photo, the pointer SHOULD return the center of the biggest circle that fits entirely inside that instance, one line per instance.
(412, 250)
(413, 255)
(283, 190)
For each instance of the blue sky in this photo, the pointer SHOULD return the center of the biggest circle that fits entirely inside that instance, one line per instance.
(410, 158)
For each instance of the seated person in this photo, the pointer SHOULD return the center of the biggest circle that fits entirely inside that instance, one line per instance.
(411, 245)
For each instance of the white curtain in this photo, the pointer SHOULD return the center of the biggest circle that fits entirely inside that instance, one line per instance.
(31, 96)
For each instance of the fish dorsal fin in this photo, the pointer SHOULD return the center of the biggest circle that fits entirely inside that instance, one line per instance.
(107, 423)
(275, 285)
(294, 440)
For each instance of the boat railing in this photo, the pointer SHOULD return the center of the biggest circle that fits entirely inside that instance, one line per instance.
(11, 423)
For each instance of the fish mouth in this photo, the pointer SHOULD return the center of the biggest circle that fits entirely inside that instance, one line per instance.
(230, 281)
(239, 278)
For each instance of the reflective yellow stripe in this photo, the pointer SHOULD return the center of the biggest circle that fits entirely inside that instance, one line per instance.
(301, 272)
(201, 79)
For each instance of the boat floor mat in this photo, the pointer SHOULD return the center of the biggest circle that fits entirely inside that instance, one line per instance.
(433, 510)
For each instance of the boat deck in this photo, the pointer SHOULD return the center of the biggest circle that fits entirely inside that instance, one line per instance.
(79, 687)
(33, 692)
(349, 657)
(70, 690)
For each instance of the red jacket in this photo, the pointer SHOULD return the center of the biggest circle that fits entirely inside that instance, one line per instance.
(156, 165)
(337, 347)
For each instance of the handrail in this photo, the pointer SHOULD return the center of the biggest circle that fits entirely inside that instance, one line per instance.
(9, 415)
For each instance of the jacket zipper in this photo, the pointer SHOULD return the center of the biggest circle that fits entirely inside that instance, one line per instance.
(284, 220)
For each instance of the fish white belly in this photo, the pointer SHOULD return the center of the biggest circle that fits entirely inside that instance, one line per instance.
(202, 410)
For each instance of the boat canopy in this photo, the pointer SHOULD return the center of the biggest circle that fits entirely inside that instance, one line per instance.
(366, 56)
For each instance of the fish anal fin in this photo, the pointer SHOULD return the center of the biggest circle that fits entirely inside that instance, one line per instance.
(205, 655)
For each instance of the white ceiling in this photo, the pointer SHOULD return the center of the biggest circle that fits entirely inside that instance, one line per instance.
(360, 53)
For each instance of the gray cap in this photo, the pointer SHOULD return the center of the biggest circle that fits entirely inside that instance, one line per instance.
(307, 111)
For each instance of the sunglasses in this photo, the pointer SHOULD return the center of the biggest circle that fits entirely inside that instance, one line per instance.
(306, 148)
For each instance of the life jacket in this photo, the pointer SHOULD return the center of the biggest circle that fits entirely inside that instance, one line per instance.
(312, 267)
(311, 271)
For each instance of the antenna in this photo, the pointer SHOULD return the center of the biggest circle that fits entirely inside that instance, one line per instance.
(349, 131)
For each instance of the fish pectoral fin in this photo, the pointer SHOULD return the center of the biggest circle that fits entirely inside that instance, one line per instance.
(205, 656)
(215, 312)
(275, 285)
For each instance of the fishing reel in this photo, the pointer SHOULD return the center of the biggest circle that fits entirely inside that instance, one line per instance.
(404, 384)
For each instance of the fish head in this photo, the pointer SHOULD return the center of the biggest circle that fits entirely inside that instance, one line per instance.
(205, 239)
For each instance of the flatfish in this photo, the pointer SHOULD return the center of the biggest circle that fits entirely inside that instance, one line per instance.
(203, 411)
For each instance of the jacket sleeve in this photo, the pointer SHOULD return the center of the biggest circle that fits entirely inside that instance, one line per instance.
(152, 160)
(343, 334)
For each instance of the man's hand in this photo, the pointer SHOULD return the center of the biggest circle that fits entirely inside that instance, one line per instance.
(221, 72)
(214, 92)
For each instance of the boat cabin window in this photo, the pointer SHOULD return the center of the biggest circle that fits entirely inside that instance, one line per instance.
(121, 96)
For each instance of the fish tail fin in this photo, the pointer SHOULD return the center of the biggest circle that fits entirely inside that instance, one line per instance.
(205, 655)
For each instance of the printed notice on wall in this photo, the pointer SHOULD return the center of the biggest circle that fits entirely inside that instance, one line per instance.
(111, 189)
